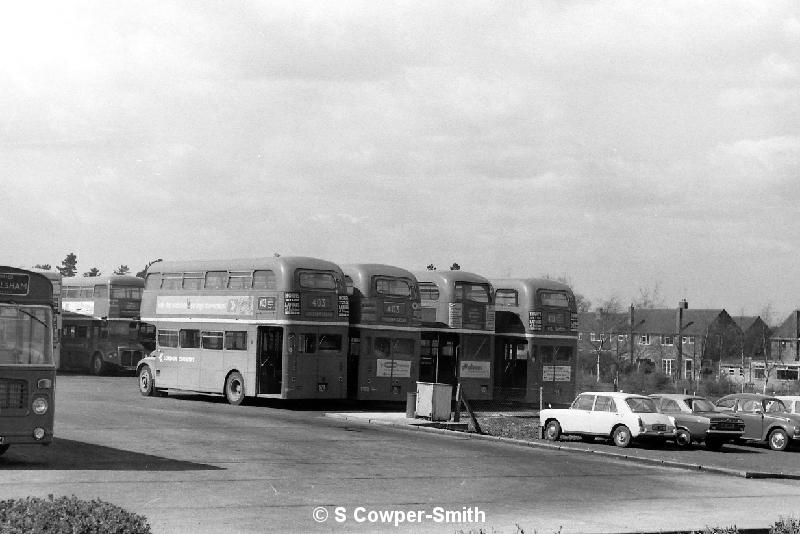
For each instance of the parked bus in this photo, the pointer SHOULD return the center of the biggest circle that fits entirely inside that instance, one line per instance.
(101, 330)
(383, 353)
(270, 327)
(458, 322)
(27, 370)
(536, 342)
(55, 279)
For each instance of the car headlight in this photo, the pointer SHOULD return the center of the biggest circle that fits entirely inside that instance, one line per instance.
(39, 405)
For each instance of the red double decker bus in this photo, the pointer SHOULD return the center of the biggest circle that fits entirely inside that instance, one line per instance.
(458, 321)
(27, 369)
(536, 340)
(383, 355)
(266, 327)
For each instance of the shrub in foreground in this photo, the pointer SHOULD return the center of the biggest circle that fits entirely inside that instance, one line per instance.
(68, 515)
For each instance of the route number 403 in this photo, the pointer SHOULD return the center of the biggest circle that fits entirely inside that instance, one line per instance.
(319, 303)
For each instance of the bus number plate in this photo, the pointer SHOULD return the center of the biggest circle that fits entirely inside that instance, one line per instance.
(2, 440)
(322, 387)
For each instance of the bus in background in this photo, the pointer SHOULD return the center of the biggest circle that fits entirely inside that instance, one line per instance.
(458, 320)
(55, 279)
(383, 353)
(27, 370)
(536, 342)
(270, 327)
(100, 323)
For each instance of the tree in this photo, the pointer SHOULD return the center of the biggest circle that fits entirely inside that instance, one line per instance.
(143, 272)
(94, 271)
(649, 298)
(431, 267)
(581, 302)
(122, 269)
(43, 266)
(69, 266)
(455, 267)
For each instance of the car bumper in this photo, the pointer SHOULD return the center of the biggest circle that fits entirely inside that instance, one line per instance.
(656, 433)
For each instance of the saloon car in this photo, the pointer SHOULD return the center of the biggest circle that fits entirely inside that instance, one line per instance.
(792, 402)
(765, 418)
(623, 417)
(696, 420)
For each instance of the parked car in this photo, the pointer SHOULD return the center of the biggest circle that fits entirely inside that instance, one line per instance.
(622, 417)
(765, 418)
(792, 402)
(696, 420)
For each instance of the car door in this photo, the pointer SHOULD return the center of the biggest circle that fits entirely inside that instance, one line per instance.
(576, 419)
(603, 416)
(752, 412)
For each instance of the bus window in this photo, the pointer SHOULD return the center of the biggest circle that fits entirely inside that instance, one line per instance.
(153, 281)
(316, 280)
(472, 292)
(428, 291)
(82, 332)
(381, 347)
(212, 340)
(263, 280)
(72, 292)
(216, 279)
(87, 292)
(190, 339)
(168, 338)
(506, 297)
(330, 342)
(308, 343)
(125, 292)
(402, 347)
(393, 287)
(551, 298)
(240, 280)
(235, 340)
(192, 280)
(172, 281)
(348, 283)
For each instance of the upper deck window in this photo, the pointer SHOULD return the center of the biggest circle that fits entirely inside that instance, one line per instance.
(153, 281)
(554, 299)
(126, 292)
(348, 283)
(72, 292)
(506, 297)
(393, 287)
(216, 279)
(316, 280)
(192, 280)
(101, 291)
(87, 292)
(472, 292)
(428, 291)
(172, 281)
(240, 280)
(264, 280)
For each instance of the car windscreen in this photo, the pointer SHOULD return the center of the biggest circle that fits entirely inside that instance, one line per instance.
(641, 405)
(700, 405)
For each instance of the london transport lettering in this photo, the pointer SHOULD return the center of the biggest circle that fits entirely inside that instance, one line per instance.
(14, 284)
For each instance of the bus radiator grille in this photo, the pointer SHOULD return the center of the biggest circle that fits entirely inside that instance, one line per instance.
(13, 394)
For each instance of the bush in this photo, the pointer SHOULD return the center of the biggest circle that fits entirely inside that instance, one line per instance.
(68, 515)
(786, 525)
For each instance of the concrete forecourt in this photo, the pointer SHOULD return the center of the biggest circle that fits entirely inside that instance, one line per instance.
(192, 463)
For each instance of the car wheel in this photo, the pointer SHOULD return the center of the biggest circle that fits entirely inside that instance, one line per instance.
(97, 365)
(778, 440)
(552, 431)
(146, 385)
(234, 388)
(683, 438)
(3, 449)
(621, 436)
(714, 444)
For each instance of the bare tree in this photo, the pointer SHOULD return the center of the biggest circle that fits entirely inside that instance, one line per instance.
(649, 297)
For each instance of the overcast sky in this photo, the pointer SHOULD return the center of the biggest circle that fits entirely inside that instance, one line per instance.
(623, 145)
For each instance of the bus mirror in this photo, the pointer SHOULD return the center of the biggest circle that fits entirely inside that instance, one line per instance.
(104, 322)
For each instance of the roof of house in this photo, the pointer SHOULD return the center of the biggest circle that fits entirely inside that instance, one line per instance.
(787, 329)
(650, 321)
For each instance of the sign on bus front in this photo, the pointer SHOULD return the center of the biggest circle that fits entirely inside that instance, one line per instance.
(14, 284)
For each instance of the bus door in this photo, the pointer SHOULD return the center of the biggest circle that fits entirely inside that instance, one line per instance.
(353, 356)
(270, 359)
(447, 362)
(511, 366)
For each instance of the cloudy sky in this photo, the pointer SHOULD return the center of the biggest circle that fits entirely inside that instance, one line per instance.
(624, 145)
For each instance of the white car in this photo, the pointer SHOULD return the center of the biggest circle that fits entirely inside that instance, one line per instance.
(619, 416)
(792, 402)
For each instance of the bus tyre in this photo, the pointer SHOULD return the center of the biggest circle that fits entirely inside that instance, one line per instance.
(778, 440)
(234, 388)
(621, 436)
(146, 385)
(97, 365)
(3, 449)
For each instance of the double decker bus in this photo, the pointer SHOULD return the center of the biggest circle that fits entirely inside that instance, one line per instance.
(383, 353)
(27, 370)
(536, 342)
(55, 279)
(100, 328)
(267, 327)
(458, 320)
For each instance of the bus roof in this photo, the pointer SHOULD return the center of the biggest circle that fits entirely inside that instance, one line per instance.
(527, 287)
(450, 278)
(361, 273)
(114, 279)
(283, 264)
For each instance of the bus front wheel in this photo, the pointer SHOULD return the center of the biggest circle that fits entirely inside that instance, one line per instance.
(3, 449)
(234, 388)
(97, 365)
(146, 385)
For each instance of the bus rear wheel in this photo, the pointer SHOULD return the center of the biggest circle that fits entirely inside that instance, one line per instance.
(3, 449)
(97, 365)
(146, 385)
(234, 388)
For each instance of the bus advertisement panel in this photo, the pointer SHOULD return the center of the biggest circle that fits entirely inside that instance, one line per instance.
(268, 327)
(458, 322)
(383, 353)
(536, 344)
(27, 369)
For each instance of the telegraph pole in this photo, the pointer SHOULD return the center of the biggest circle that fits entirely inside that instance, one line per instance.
(682, 305)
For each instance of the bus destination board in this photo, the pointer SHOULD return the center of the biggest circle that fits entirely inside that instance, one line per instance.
(14, 284)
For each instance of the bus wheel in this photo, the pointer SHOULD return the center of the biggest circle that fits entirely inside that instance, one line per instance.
(146, 385)
(3, 449)
(97, 365)
(234, 388)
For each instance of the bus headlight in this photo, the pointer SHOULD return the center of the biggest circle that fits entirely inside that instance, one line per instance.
(39, 405)
(38, 433)
(112, 355)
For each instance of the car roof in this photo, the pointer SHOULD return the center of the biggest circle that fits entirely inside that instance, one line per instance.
(753, 396)
(614, 394)
(677, 396)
